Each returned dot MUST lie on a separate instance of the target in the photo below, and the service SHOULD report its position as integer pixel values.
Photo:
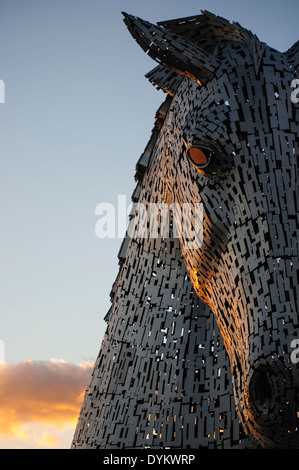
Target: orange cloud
(47, 395)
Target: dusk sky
(78, 113)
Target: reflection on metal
(197, 347)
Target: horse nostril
(261, 391)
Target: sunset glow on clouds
(40, 402)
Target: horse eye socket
(199, 156)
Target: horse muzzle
(272, 400)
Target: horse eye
(199, 156)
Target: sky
(78, 113)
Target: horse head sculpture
(196, 364)
(230, 142)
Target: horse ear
(293, 55)
(172, 51)
(226, 31)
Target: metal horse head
(230, 141)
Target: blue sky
(77, 116)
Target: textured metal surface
(197, 348)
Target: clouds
(41, 400)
